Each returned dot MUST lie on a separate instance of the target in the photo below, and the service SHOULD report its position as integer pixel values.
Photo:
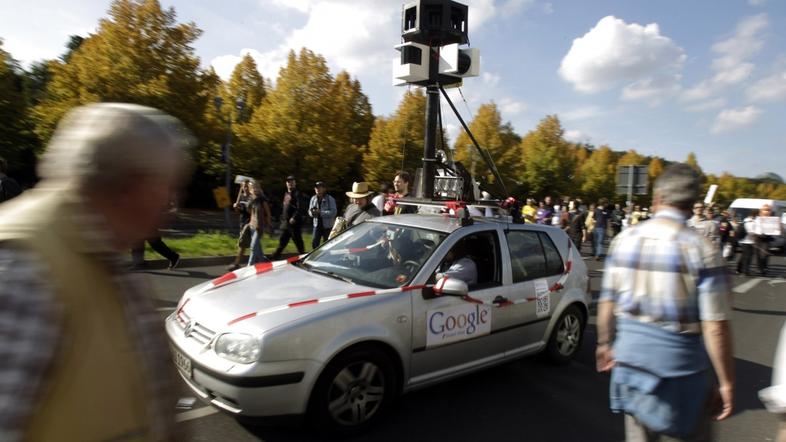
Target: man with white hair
(84, 353)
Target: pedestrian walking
(85, 356)
(259, 210)
(600, 218)
(160, 247)
(241, 205)
(746, 232)
(663, 321)
(291, 219)
(323, 210)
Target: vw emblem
(189, 328)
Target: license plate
(181, 362)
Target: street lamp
(226, 151)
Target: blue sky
(663, 77)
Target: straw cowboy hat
(359, 190)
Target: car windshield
(375, 254)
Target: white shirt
(464, 269)
(379, 201)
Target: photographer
(322, 208)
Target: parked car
(338, 334)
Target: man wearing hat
(361, 208)
(291, 219)
(323, 210)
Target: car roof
(437, 222)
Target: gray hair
(98, 146)
(678, 186)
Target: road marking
(745, 286)
(777, 281)
(195, 414)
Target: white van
(742, 207)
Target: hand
(604, 358)
(723, 402)
(292, 221)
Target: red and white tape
(438, 289)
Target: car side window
(483, 249)
(526, 255)
(554, 264)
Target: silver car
(378, 311)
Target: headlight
(238, 347)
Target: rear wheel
(565, 339)
(354, 391)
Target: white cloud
(268, 63)
(732, 119)
(581, 113)
(707, 105)
(510, 107)
(757, 2)
(732, 65)
(615, 53)
(577, 136)
(301, 5)
(772, 88)
(511, 7)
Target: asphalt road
(527, 399)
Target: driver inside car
(458, 264)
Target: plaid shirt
(664, 273)
(30, 332)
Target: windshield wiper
(332, 275)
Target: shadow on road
(182, 274)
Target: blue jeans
(319, 235)
(597, 240)
(256, 248)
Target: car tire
(353, 392)
(566, 337)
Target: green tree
(397, 142)
(549, 163)
(498, 139)
(301, 126)
(17, 142)
(245, 86)
(599, 174)
(631, 158)
(139, 55)
(353, 114)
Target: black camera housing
(435, 22)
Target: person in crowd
(244, 237)
(401, 184)
(662, 330)
(600, 217)
(762, 240)
(361, 207)
(458, 264)
(291, 219)
(577, 220)
(543, 214)
(385, 189)
(636, 215)
(725, 230)
(529, 211)
(747, 239)
(9, 188)
(260, 218)
(616, 219)
(89, 358)
(589, 226)
(157, 244)
(703, 225)
(774, 396)
(323, 210)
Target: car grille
(194, 330)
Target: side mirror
(451, 287)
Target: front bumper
(260, 389)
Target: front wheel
(565, 339)
(353, 392)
